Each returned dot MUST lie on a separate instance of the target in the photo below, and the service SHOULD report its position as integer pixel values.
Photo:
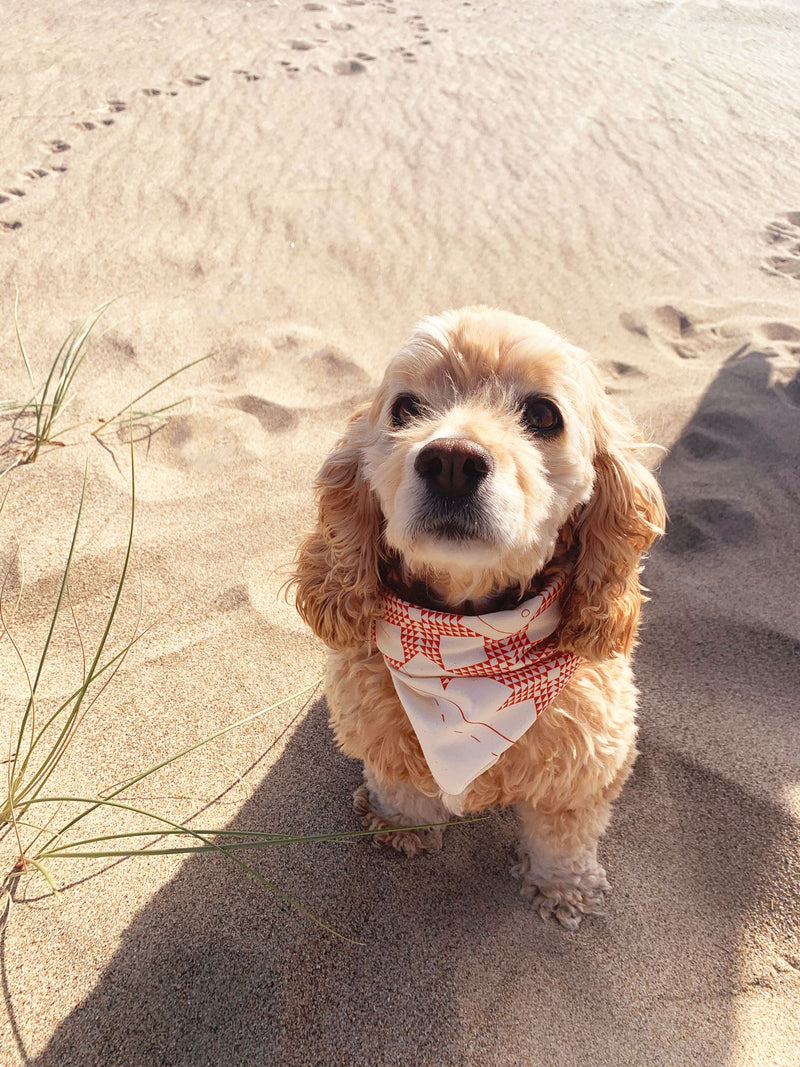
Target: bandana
(471, 685)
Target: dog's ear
(337, 576)
(606, 537)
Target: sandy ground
(288, 187)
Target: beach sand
(287, 187)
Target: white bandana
(471, 685)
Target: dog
(489, 473)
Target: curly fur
(582, 499)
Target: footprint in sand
(704, 332)
(619, 375)
(696, 331)
(698, 525)
(349, 66)
(718, 435)
(779, 342)
(780, 331)
(684, 334)
(232, 598)
(10, 225)
(783, 235)
(626, 370)
(405, 53)
(274, 418)
(286, 361)
(114, 346)
(328, 369)
(57, 145)
(87, 125)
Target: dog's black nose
(453, 467)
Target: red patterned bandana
(471, 685)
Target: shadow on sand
(453, 969)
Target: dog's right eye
(404, 409)
(541, 417)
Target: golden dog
(489, 460)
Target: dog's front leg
(392, 805)
(558, 863)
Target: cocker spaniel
(475, 570)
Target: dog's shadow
(453, 968)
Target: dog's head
(489, 454)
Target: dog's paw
(566, 903)
(409, 842)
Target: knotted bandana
(471, 685)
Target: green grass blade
(34, 401)
(141, 396)
(157, 411)
(282, 894)
(60, 376)
(46, 875)
(74, 355)
(116, 659)
(45, 423)
(190, 748)
(53, 757)
(46, 647)
(213, 737)
(251, 839)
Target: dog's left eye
(541, 417)
(404, 409)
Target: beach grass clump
(34, 420)
(32, 815)
(49, 401)
(29, 810)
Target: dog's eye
(404, 409)
(541, 417)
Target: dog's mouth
(461, 521)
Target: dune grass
(42, 740)
(48, 401)
(42, 835)
(34, 420)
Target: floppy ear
(337, 565)
(625, 514)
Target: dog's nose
(453, 467)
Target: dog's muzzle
(453, 472)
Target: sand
(287, 187)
